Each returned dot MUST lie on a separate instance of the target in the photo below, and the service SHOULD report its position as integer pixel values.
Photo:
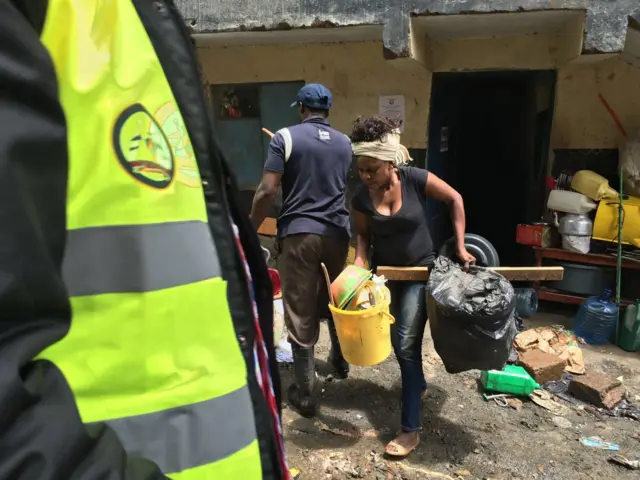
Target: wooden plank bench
(421, 274)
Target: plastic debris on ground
(626, 410)
(561, 422)
(283, 352)
(471, 316)
(500, 399)
(283, 347)
(294, 473)
(504, 400)
(559, 389)
(597, 442)
(555, 340)
(625, 462)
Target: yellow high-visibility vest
(152, 350)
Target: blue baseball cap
(315, 96)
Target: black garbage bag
(472, 316)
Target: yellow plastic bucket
(364, 335)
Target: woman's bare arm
(363, 238)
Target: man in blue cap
(311, 161)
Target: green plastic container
(629, 331)
(514, 380)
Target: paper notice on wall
(392, 106)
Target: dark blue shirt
(315, 160)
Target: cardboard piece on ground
(544, 399)
(556, 341)
(421, 274)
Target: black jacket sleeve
(41, 434)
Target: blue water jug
(596, 319)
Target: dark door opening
(489, 139)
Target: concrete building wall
(357, 74)
(580, 119)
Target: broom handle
(328, 280)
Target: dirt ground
(463, 435)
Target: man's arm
(41, 434)
(271, 176)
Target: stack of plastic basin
(345, 286)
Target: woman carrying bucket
(390, 216)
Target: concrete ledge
(362, 33)
(606, 23)
(544, 39)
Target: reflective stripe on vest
(152, 349)
(215, 433)
(122, 258)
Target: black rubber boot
(338, 364)
(302, 393)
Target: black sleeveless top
(401, 239)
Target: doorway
(489, 139)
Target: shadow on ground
(344, 403)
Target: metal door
(443, 128)
(237, 127)
(275, 107)
(240, 113)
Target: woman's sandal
(394, 449)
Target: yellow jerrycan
(592, 185)
(605, 225)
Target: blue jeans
(408, 306)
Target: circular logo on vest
(169, 118)
(142, 147)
